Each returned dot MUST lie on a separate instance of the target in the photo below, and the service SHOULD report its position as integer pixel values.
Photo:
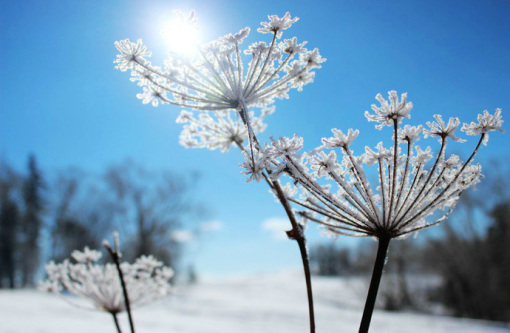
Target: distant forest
(45, 217)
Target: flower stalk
(397, 206)
(296, 233)
(215, 81)
(409, 197)
(116, 321)
(380, 260)
(115, 255)
(106, 286)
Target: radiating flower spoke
(408, 192)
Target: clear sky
(61, 98)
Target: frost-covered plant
(415, 190)
(218, 129)
(147, 280)
(218, 78)
(222, 78)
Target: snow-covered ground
(266, 303)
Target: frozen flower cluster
(146, 280)
(218, 77)
(416, 188)
(486, 123)
(388, 113)
(218, 129)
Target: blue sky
(61, 99)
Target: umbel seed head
(415, 188)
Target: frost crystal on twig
(411, 193)
(146, 279)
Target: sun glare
(181, 35)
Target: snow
(264, 303)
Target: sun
(181, 35)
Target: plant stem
(296, 233)
(115, 256)
(306, 267)
(114, 314)
(382, 249)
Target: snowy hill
(265, 303)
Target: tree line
(45, 217)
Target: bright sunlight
(181, 34)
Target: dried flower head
(146, 280)
(218, 129)
(217, 78)
(391, 111)
(254, 165)
(276, 24)
(486, 123)
(412, 193)
(441, 130)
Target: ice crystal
(323, 163)
(131, 55)
(147, 279)
(486, 123)
(276, 24)
(340, 139)
(286, 146)
(412, 193)
(390, 112)
(254, 165)
(442, 130)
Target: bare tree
(82, 214)
(331, 260)
(475, 251)
(150, 206)
(31, 223)
(9, 223)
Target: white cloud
(277, 227)
(182, 236)
(211, 226)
